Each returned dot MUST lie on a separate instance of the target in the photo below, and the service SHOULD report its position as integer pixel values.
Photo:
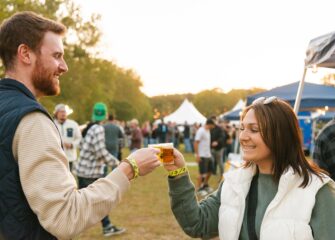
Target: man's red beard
(44, 80)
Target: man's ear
(24, 54)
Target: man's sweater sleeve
(49, 186)
(196, 219)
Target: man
(186, 135)
(94, 158)
(113, 136)
(136, 136)
(217, 144)
(324, 150)
(69, 131)
(227, 145)
(162, 132)
(202, 149)
(39, 198)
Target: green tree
(329, 80)
(89, 78)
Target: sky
(186, 46)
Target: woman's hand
(179, 161)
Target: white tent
(186, 113)
(239, 105)
(234, 113)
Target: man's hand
(147, 159)
(68, 145)
(179, 161)
(197, 158)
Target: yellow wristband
(132, 162)
(177, 172)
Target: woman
(278, 194)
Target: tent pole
(299, 93)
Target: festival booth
(325, 116)
(320, 53)
(185, 113)
(314, 96)
(234, 113)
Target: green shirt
(201, 219)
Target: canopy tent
(186, 113)
(324, 117)
(320, 53)
(239, 105)
(234, 114)
(314, 95)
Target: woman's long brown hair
(281, 133)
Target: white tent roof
(239, 105)
(186, 113)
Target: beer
(166, 152)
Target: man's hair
(111, 117)
(24, 28)
(210, 121)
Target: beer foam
(161, 145)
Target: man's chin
(52, 92)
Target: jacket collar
(241, 179)
(12, 83)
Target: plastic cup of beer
(166, 152)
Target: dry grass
(145, 210)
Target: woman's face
(253, 146)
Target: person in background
(170, 132)
(217, 143)
(113, 136)
(162, 132)
(39, 196)
(122, 142)
(202, 152)
(146, 133)
(186, 136)
(136, 136)
(176, 133)
(193, 130)
(324, 149)
(278, 194)
(94, 159)
(227, 142)
(154, 134)
(69, 131)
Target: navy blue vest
(17, 220)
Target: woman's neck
(265, 167)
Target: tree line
(91, 79)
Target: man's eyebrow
(58, 53)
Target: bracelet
(132, 162)
(177, 172)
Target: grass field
(145, 210)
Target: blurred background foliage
(91, 79)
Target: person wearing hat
(39, 197)
(94, 159)
(69, 131)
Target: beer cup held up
(166, 152)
